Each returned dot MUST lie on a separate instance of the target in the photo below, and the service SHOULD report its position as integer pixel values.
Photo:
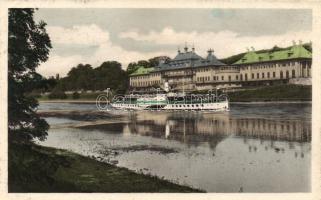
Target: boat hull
(215, 106)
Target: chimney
(185, 48)
(210, 51)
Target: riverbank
(277, 93)
(34, 168)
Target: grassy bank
(273, 93)
(34, 168)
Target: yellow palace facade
(189, 71)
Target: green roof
(294, 52)
(142, 70)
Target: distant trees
(153, 62)
(108, 75)
(84, 77)
(28, 46)
(57, 94)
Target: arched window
(245, 77)
(281, 75)
(293, 73)
(287, 74)
(268, 74)
(241, 77)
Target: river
(256, 147)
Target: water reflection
(195, 128)
(253, 148)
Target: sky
(92, 36)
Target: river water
(253, 148)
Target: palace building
(189, 71)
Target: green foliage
(75, 95)
(153, 62)
(83, 77)
(28, 46)
(49, 84)
(34, 168)
(232, 59)
(57, 94)
(308, 46)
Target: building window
(241, 77)
(229, 78)
(281, 75)
(287, 74)
(293, 73)
(222, 78)
(262, 75)
(252, 76)
(257, 75)
(268, 74)
(273, 74)
(245, 77)
(214, 78)
(237, 77)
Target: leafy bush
(75, 95)
(34, 94)
(57, 94)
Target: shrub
(57, 94)
(34, 94)
(75, 95)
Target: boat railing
(198, 98)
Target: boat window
(196, 105)
(192, 105)
(202, 105)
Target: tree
(28, 46)
(131, 67)
(153, 62)
(110, 75)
